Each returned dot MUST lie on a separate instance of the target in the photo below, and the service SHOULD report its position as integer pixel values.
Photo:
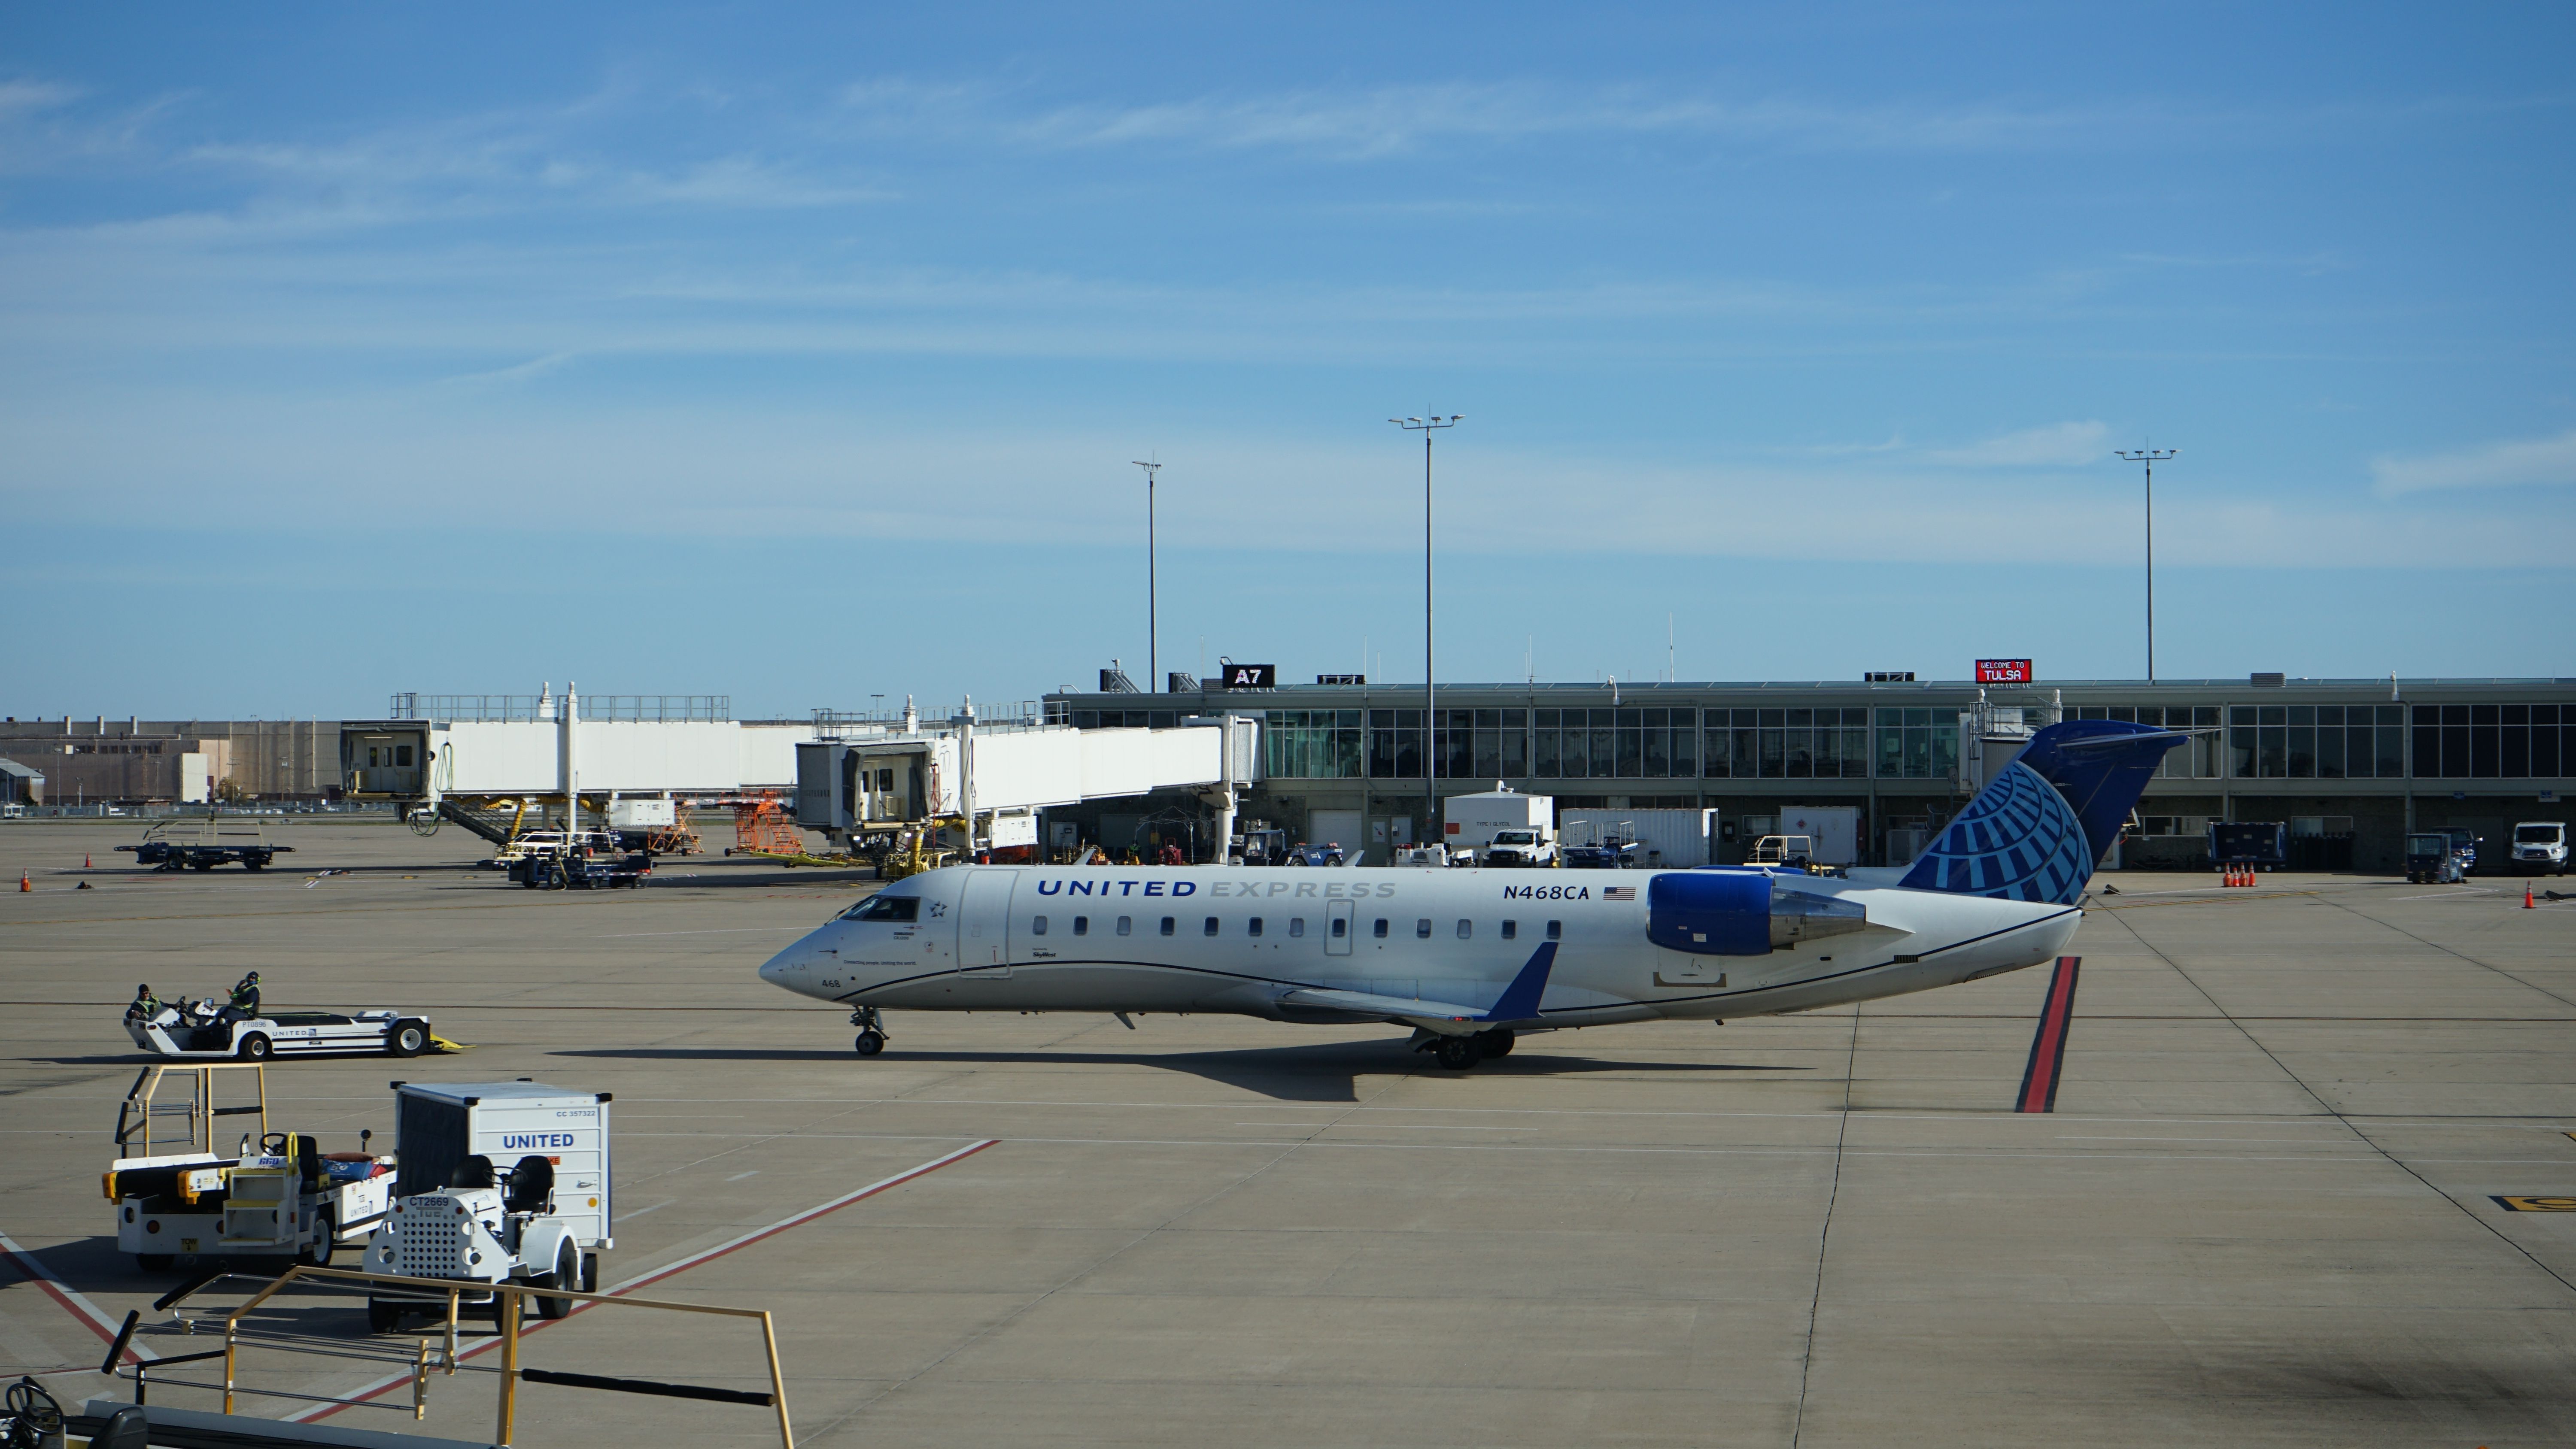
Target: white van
(2540, 847)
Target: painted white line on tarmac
(312, 1412)
(72, 1299)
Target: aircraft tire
(1458, 1053)
(870, 1043)
(1496, 1043)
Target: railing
(417, 1364)
(1020, 714)
(541, 708)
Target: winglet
(1519, 1001)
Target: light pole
(2150, 457)
(1430, 731)
(1153, 632)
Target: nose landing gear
(872, 1033)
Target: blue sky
(800, 354)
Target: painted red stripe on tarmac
(73, 1302)
(315, 1412)
(2048, 1046)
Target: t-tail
(2040, 826)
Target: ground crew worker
(145, 1005)
(245, 1002)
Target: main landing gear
(872, 1033)
(1458, 1053)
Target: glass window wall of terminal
(1312, 744)
(1918, 744)
(1628, 743)
(2198, 759)
(2316, 742)
(1790, 744)
(2493, 741)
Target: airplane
(1472, 959)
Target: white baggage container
(640, 814)
(1835, 829)
(1468, 822)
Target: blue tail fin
(2039, 827)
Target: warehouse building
(2349, 765)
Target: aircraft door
(1338, 927)
(984, 923)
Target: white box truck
(1470, 823)
(497, 1182)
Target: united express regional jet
(1471, 958)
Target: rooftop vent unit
(2270, 681)
(1888, 676)
(1114, 680)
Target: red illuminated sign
(2003, 671)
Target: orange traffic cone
(2526, 897)
(84, 860)
(25, 884)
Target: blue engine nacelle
(1740, 913)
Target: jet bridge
(868, 776)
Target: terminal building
(2349, 765)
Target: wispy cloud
(2059, 445)
(23, 97)
(1390, 120)
(2495, 465)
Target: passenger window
(1037, 927)
(1466, 929)
(1422, 929)
(1296, 925)
(1211, 925)
(1082, 925)
(1511, 930)
(1341, 928)
(1256, 925)
(1380, 932)
(1123, 925)
(1167, 925)
(402, 754)
(1556, 930)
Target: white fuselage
(1219, 939)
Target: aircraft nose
(779, 969)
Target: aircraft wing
(1403, 1008)
(1519, 1001)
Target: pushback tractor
(500, 1182)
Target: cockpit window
(905, 909)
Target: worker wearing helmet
(145, 1005)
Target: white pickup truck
(1521, 848)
